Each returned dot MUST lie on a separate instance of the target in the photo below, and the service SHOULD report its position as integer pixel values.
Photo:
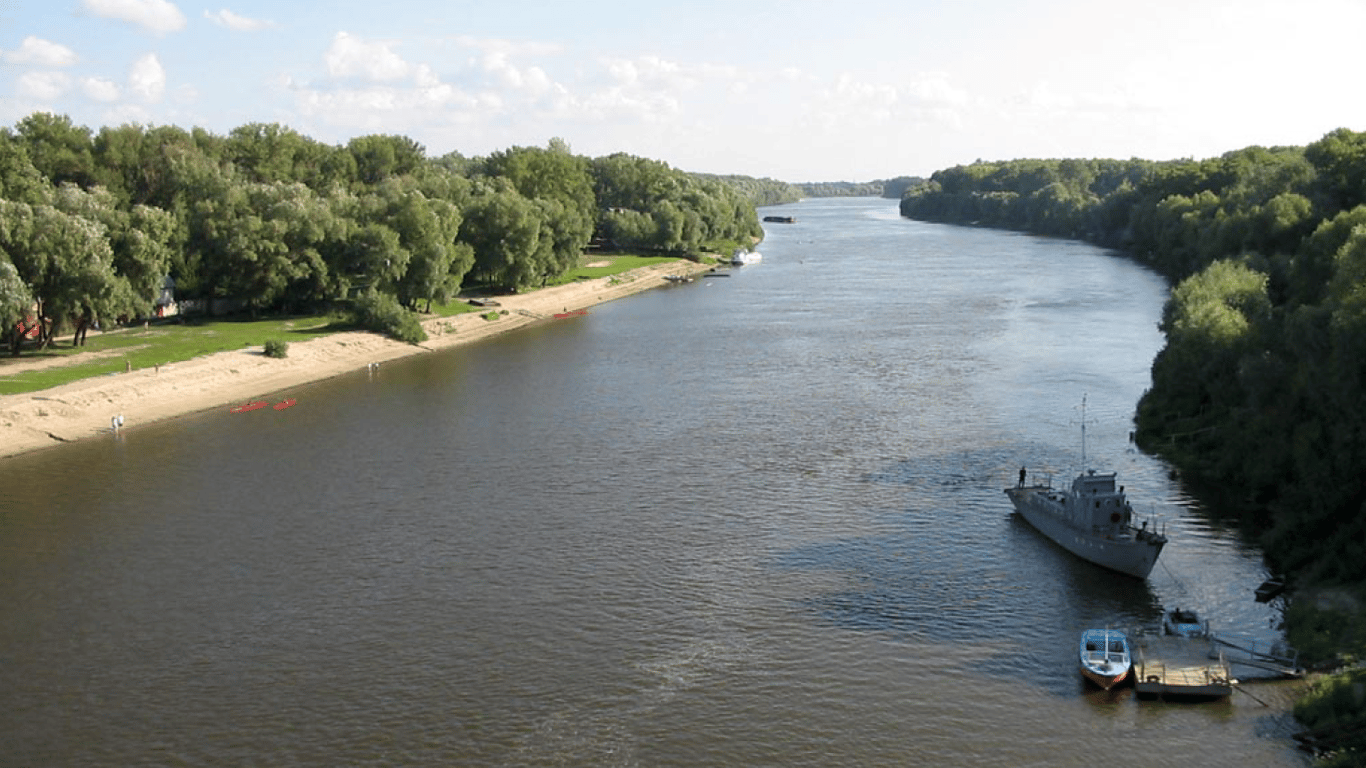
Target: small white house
(166, 304)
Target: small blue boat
(1185, 623)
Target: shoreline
(81, 410)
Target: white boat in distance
(1105, 658)
(741, 257)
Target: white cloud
(43, 53)
(44, 86)
(370, 86)
(350, 56)
(185, 94)
(425, 77)
(125, 113)
(870, 95)
(147, 78)
(1043, 95)
(652, 89)
(100, 89)
(532, 80)
(384, 107)
(935, 89)
(156, 15)
(230, 20)
(619, 103)
(509, 47)
(654, 73)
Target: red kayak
(250, 406)
(283, 404)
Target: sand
(84, 409)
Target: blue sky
(799, 90)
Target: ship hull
(1130, 555)
(1104, 680)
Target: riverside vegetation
(1259, 396)
(91, 223)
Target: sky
(795, 90)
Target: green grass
(451, 308)
(138, 348)
(619, 263)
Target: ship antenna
(1083, 433)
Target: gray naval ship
(1092, 520)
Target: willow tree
(15, 304)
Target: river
(752, 520)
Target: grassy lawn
(113, 352)
(617, 263)
(450, 309)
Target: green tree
(439, 263)
(1313, 267)
(16, 301)
(1211, 323)
(19, 180)
(139, 239)
(504, 230)
(66, 262)
(262, 243)
(372, 258)
(684, 212)
(268, 153)
(561, 180)
(1340, 160)
(59, 149)
(379, 157)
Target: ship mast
(1083, 433)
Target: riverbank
(84, 409)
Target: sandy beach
(84, 409)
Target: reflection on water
(751, 520)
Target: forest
(93, 222)
(774, 192)
(1259, 395)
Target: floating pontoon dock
(1180, 667)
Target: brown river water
(755, 520)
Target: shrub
(277, 348)
(379, 312)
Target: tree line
(1260, 390)
(92, 222)
(773, 192)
